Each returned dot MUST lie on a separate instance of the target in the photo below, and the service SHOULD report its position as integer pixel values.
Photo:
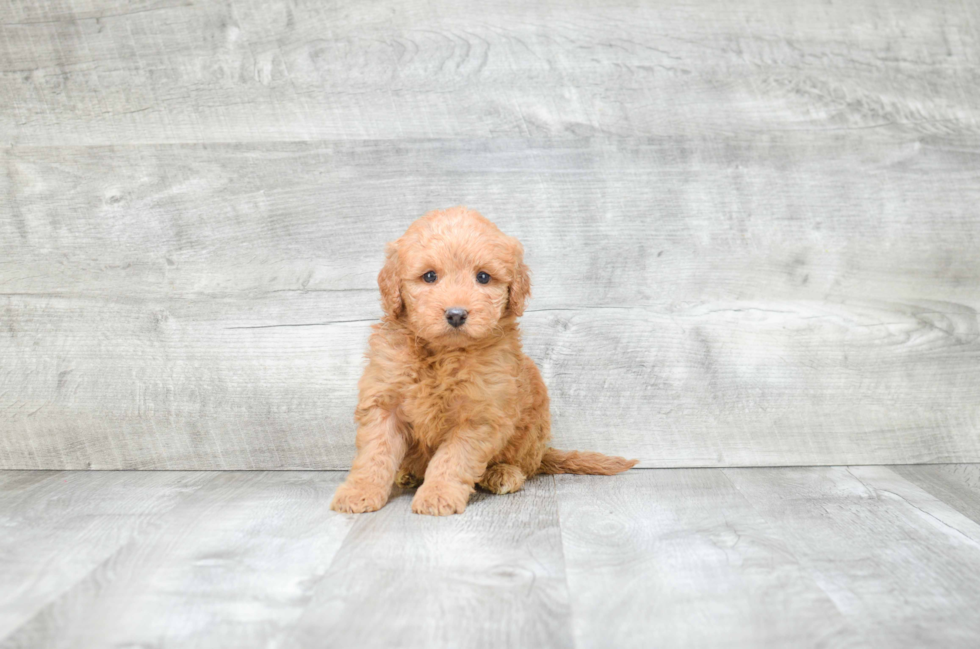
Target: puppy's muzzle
(456, 316)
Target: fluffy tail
(583, 462)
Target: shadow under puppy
(448, 399)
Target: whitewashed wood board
(231, 565)
(760, 557)
(680, 558)
(58, 527)
(113, 72)
(605, 222)
(492, 577)
(956, 484)
(862, 533)
(795, 299)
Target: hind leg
(502, 479)
(412, 470)
(407, 479)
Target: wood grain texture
(492, 577)
(799, 298)
(957, 485)
(605, 222)
(898, 563)
(679, 558)
(59, 527)
(765, 557)
(113, 72)
(232, 565)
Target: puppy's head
(453, 276)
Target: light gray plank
(492, 577)
(732, 302)
(175, 385)
(57, 528)
(678, 558)
(171, 71)
(957, 485)
(171, 385)
(230, 566)
(672, 221)
(762, 557)
(15, 485)
(897, 562)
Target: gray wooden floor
(782, 557)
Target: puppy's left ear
(520, 286)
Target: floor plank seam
(811, 572)
(573, 616)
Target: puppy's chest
(440, 396)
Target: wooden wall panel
(798, 298)
(113, 72)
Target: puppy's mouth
(461, 331)
(464, 334)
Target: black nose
(456, 316)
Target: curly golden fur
(449, 407)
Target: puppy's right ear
(389, 282)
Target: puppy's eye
(429, 277)
(483, 278)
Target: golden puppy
(448, 399)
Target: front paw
(358, 498)
(440, 499)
